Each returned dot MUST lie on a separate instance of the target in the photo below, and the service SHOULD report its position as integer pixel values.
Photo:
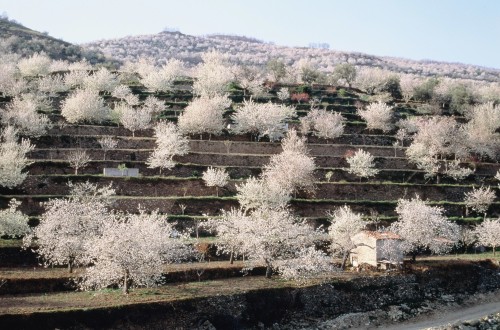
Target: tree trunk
(494, 250)
(217, 190)
(344, 260)
(231, 257)
(414, 256)
(269, 271)
(76, 170)
(125, 283)
(70, 267)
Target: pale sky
(466, 31)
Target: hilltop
(249, 51)
(18, 39)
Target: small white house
(111, 171)
(378, 249)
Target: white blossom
(227, 229)
(479, 199)
(124, 93)
(58, 66)
(276, 239)
(258, 193)
(101, 80)
(481, 130)
(134, 119)
(283, 94)
(154, 104)
(488, 233)
(213, 75)
(262, 119)
(22, 113)
(344, 225)
(456, 172)
(362, 164)
(52, 85)
(82, 65)
(293, 169)
(424, 227)
(107, 143)
(131, 250)
(323, 124)
(36, 65)
(68, 225)
(377, 116)
(13, 223)
(75, 78)
(162, 80)
(84, 105)
(13, 157)
(216, 177)
(204, 115)
(169, 143)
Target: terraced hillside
(182, 194)
(50, 171)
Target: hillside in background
(165, 45)
(23, 41)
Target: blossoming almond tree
(362, 164)
(13, 223)
(292, 169)
(134, 119)
(261, 119)
(377, 116)
(124, 93)
(101, 80)
(273, 238)
(11, 81)
(22, 113)
(107, 143)
(162, 79)
(481, 130)
(78, 159)
(84, 105)
(68, 225)
(256, 193)
(204, 115)
(480, 199)
(227, 228)
(323, 124)
(488, 233)
(437, 137)
(276, 239)
(37, 64)
(424, 227)
(13, 157)
(52, 85)
(169, 143)
(216, 177)
(213, 75)
(344, 225)
(131, 250)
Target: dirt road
(443, 318)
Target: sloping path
(443, 318)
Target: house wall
(365, 251)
